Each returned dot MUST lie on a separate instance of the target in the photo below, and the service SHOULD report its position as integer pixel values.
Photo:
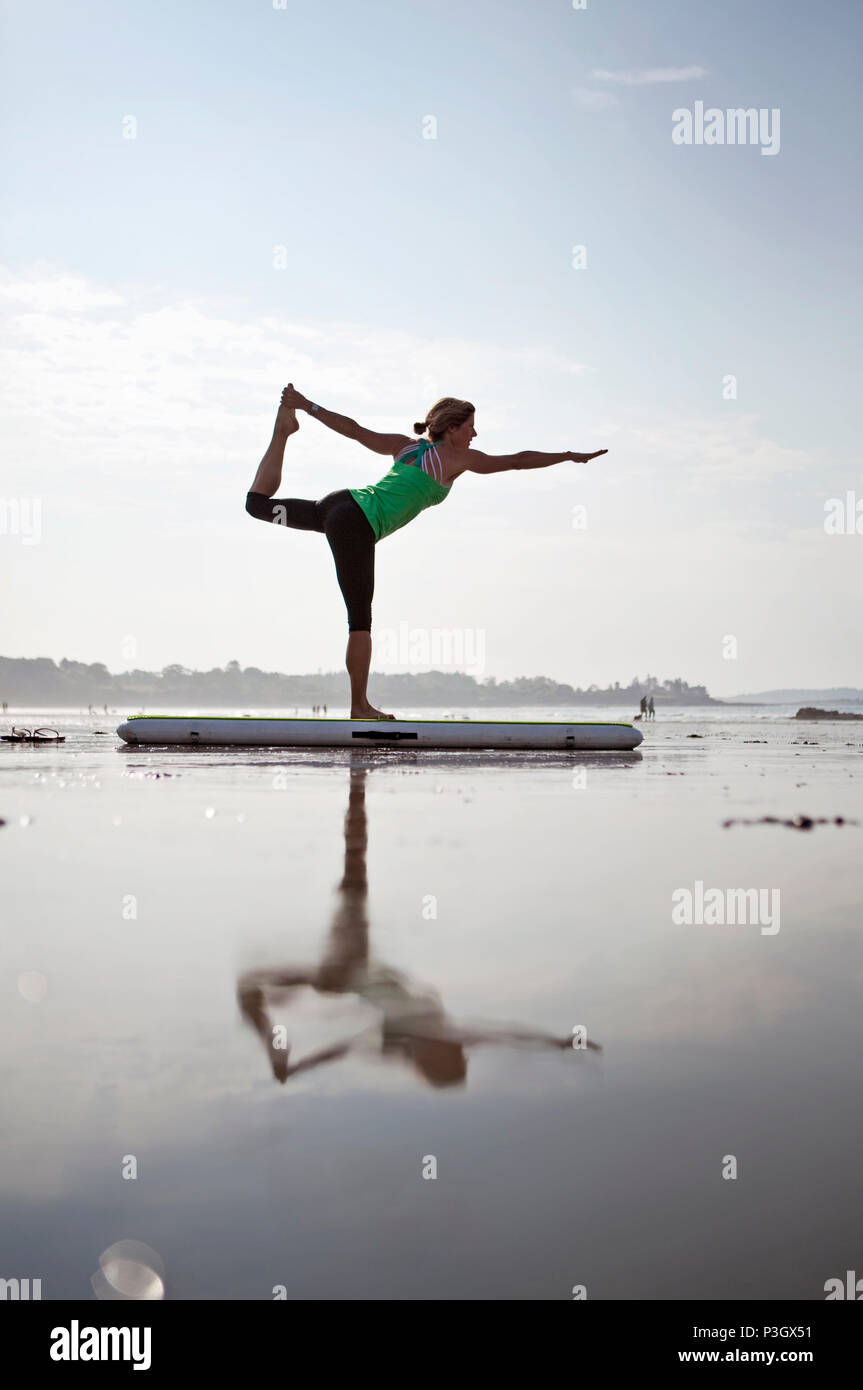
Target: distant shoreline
(846, 695)
(74, 684)
(42, 682)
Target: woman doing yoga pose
(355, 519)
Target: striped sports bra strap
(415, 455)
(416, 451)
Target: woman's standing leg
(358, 659)
(352, 541)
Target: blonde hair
(446, 414)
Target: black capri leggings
(349, 534)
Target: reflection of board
(376, 733)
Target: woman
(355, 519)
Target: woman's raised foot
(286, 420)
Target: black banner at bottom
(63, 1338)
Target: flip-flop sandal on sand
(37, 736)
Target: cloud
(640, 77)
(138, 379)
(140, 382)
(44, 290)
(710, 453)
(594, 100)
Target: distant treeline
(74, 684)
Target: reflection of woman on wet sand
(413, 1024)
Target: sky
(390, 202)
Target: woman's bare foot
(368, 711)
(286, 420)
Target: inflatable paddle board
(375, 733)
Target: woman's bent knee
(260, 506)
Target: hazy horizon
(788, 694)
(837, 689)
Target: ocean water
(303, 1020)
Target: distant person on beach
(643, 706)
(355, 519)
(651, 709)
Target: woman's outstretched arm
(343, 424)
(477, 462)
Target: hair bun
(420, 427)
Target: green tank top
(402, 493)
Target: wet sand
(427, 930)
